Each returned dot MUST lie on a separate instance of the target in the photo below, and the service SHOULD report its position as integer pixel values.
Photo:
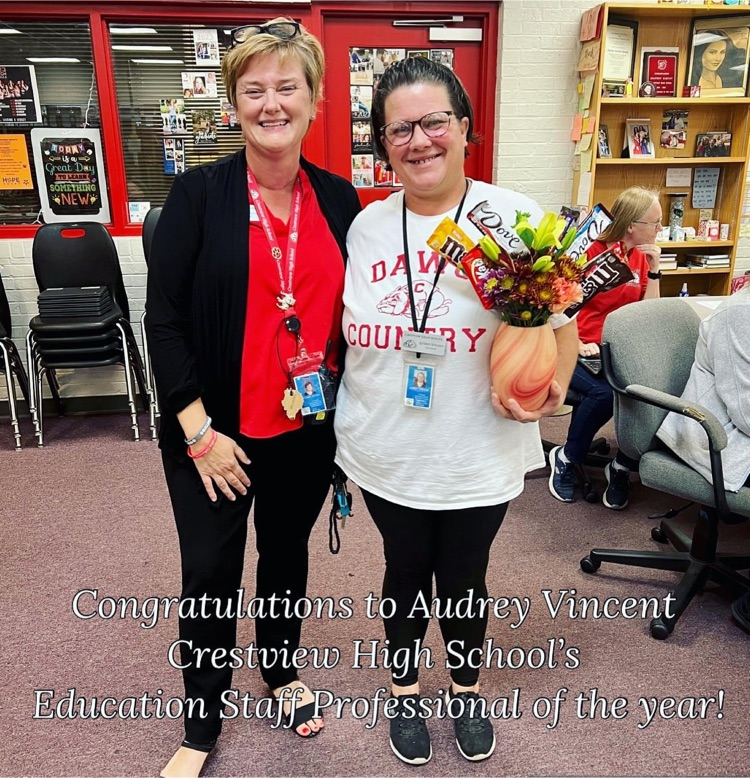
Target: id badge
(419, 385)
(313, 399)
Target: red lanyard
(285, 300)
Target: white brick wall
(536, 98)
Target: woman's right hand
(588, 349)
(221, 467)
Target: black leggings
(212, 548)
(452, 545)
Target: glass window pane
(174, 113)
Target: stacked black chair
(11, 365)
(72, 257)
(149, 225)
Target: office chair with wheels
(75, 257)
(647, 355)
(11, 365)
(149, 225)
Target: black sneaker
(410, 740)
(563, 478)
(741, 611)
(475, 736)
(618, 487)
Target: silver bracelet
(201, 432)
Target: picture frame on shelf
(719, 54)
(713, 144)
(673, 139)
(640, 143)
(674, 126)
(613, 88)
(659, 68)
(603, 149)
(675, 119)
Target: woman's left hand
(517, 413)
(653, 255)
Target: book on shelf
(668, 262)
(708, 260)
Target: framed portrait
(640, 143)
(713, 144)
(719, 54)
(603, 149)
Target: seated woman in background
(720, 381)
(636, 220)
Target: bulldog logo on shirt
(397, 302)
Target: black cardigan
(196, 300)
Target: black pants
(452, 545)
(212, 549)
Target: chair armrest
(717, 436)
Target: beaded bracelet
(201, 432)
(211, 443)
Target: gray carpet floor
(90, 512)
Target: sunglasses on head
(283, 30)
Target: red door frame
(101, 14)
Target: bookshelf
(668, 25)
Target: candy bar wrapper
(571, 214)
(591, 228)
(450, 241)
(604, 272)
(489, 223)
(475, 266)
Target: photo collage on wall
(186, 129)
(366, 66)
(174, 156)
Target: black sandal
(205, 748)
(302, 714)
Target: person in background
(228, 305)
(437, 510)
(636, 221)
(720, 381)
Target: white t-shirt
(459, 453)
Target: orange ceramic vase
(523, 364)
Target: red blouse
(318, 286)
(591, 317)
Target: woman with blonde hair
(636, 221)
(229, 298)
